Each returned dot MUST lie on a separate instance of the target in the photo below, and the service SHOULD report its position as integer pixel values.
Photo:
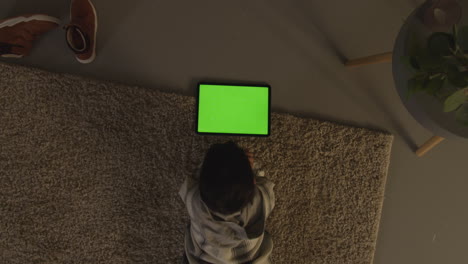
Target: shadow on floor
(297, 16)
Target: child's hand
(250, 156)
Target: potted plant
(439, 63)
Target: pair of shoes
(17, 34)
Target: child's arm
(190, 181)
(266, 187)
(263, 183)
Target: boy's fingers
(250, 156)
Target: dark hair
(226, 179)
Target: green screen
(233, 109)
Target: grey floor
(296, 46)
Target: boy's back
(228, 237)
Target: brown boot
(17, 34)
(81, 32)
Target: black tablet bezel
(232, 84)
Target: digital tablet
(231, 109)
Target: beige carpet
(89, 173)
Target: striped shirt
(228, 239)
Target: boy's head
(227, 179)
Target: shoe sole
(16, 20)
(12, 56)
(93, 56)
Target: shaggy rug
(90, 170)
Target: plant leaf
(410, 62)
(456, 77)
(455, 100)
(429, 62)
(433, 86)
(462, 38)
(440, 43)
(455, 33)
(462, 114)
(421, 58)
(416, 84)
(415, 64)
(405, 60)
